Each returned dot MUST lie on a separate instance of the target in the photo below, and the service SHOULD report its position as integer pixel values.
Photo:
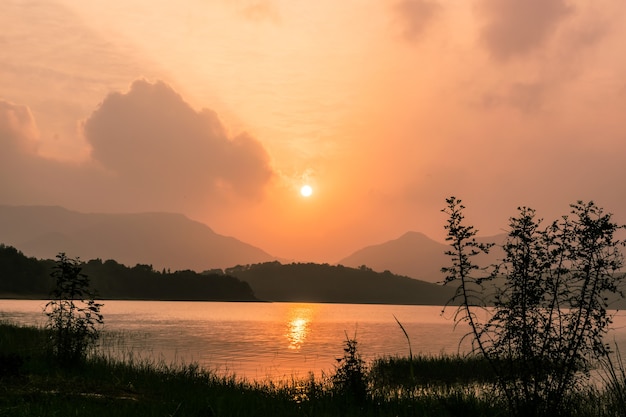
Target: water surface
(270, 340)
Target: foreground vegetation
(545, 331)
(33, 384)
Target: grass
(31, 384)
(439, 371)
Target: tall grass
(613, 376)
(427, 371)
(105, 385)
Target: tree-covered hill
(24, 277)
(310, 282)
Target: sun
(306, 191)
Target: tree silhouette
(73, 315)
(552, 291)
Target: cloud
(553, 59)
(150, 151)
(415, 15)
(18, 130)
(153, 141)
(25, 176)
(515, 27)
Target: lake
(269, 340)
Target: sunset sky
(223, 109)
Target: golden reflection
(299, 317)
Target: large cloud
(155, 142)
(150, 151)
(515, 27)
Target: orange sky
(222, 109)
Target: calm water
(276, 340)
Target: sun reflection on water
(298, 326)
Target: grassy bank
(31, 384)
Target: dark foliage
(73, 314)
(550, 314)
(428, 371)
(311, 282)
(351, 375)
(143, 282)
(23, 277)
(10, 364)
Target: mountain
(309, 282)
(414, 255)
(163, 240)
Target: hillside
(414, 255)
(163, 240)
(308, 282)
(27, 277)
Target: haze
(222, 110)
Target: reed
(427, 370)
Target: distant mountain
(414, 255)
(163, 240)
(309, 282)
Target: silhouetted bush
(351, 376)
(552, 288)
(73, 315)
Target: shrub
(73, 315)
(552, 287)
(350, 377)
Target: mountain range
(162, 240)
(400, 271)
(173, 241)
